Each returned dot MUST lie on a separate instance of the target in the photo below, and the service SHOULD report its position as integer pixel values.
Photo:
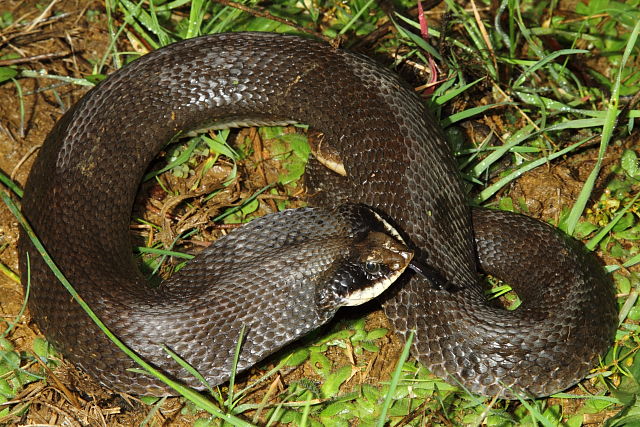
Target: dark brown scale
(81, 189)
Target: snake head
(375, 258)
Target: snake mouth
(372, 255)
(376, 287)
(435, 277)
(383, 257)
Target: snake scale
(82, 186)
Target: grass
(542, 109)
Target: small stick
(34, 58)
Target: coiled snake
(81, 190)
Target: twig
(34, 58)
(44, 15)
(23, 159)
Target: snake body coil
(81, 190)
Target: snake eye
(372, 267)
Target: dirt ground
(68, 39)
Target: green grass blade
(515, 139)
(186, 366)
(4, 179)
(395, 379)
(593, 242)
(196, 13)
(607, 132)
(164, 252)
(449, 95)
(533, 410)
(243, 204)
(494, 188)
(181, 159)
(356, 17)
(544, 61)
(468, 113)
(153, 411)
(234, 365)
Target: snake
(396, 168)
